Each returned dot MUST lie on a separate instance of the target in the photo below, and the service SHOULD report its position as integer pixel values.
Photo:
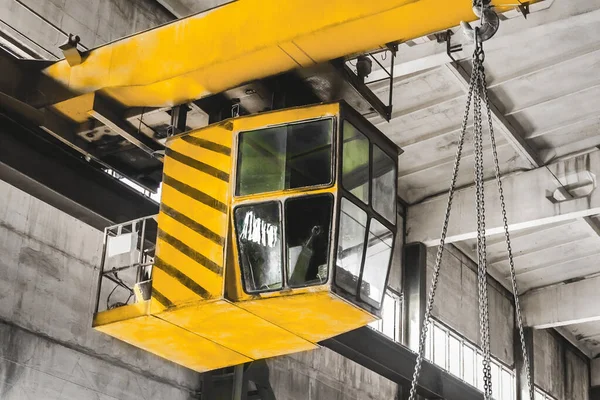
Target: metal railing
(126, 265)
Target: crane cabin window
(384, 185)
(258, 228)
(308, 227)
(351, 244)
(377, 260)
(305, 229)
(355, 162)
(285, 157)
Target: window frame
(477, 354)
(239, 253)
(368, 202)
(330, 233)
(364, 260)
(371, 160)
(378, 325)
(333, 153)
(281, 202)
(376, 137)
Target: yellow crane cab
(275, 231)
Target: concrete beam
(60, 178)
(184, 8)
(560, 305)
(175, 7)
(514, 137)
(533, 198)
(547, 16)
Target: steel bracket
(446, 37)
(524, 9)
(384, 110)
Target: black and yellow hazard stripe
(193, 218)
(207, 144)
(161, 298)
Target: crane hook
(490, 22)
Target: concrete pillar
(595, 379)
(522, 387)
(415, 293)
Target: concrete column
(415, 293)
(595, 379)
(522, 387)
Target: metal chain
(513, 278)
(477, 93)
(440, 250)
(481, 241)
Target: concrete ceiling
(544, 78)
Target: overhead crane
(276, 230)
(261, 251)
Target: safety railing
(125, 275)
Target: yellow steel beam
(246, 40)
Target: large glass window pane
(539, 395)
(258, 228)
(384, 185)
(388, 316)
(307, 224)
(355, 162)
(496, 379)
(508, 385)
(377, 325)
(480, 381)
(454, 355)
(285, 157)
(377, 261)
(469, 365)
(429, 342)
(439, 347)
(309, 154)
(351, 238)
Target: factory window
(391, 317)
(384, 184)
(307, 226)
(285, 157)
(541, 395)
(355, 164)
(464, 360)
(258, 228)
(353, 225)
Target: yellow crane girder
(246, 40)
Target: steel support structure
(415, 293)
(44, 168)
(395, 362)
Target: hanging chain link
(513, 275)
(477, 93)
(484, 327)
(440, 250)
